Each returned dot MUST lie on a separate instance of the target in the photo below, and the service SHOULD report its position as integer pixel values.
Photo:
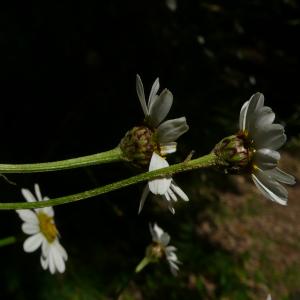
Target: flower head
(39, 224)
(165, 187)
(263, 139)
(254, 149)
(155, 135)
(160, 249)
(161, 246)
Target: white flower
(165, 187)
(39, 224)
(155, 111)
(263, 138)
(161, 241)
(167, 133)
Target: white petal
(172, 194)
(143, 198)
(28, 195)
(270, 136)
(270, 188)
(141, 94)
(171, 130)
(49, 211)
(33, 242)
(265, 117)
(38, 192)
(30, 228)
(167, 195)
(28, 216)
(153, 92)
(174, 268)
(243, 115)
(160, 107)
(179, 191)
(167, 148)
(281, 176)
(62, 250)
(161, 185)
(165, 239)
(51, 261)
(171, 209)
(170, 249)
(44, 262)
(58, 259)
(266, 158)
(158, 232)
(256, 102)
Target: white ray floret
(165, 187)
(39, 224)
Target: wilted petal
(270, 188)
(171, 130)
(141, 94)
(160, 107)
(266, 158)
(281, 176)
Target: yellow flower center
(47, 227)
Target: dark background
(67, 75)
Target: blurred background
(68, 89)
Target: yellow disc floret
(47, 226)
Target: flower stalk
(7, 241)
(110, 156)
(201, 162)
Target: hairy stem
(84, 161)
(201, 162)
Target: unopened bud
(233, 153)
(138, 146)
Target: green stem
(84, 161)
(143, 263)
(201, 162)
(7, 241)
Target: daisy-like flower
(160, 249)
(165, 134)
(262, 139)
(165, 187)
(161, 246)
(39, 224)
(254, 149)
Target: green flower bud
(138, 145)
(234, 153)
